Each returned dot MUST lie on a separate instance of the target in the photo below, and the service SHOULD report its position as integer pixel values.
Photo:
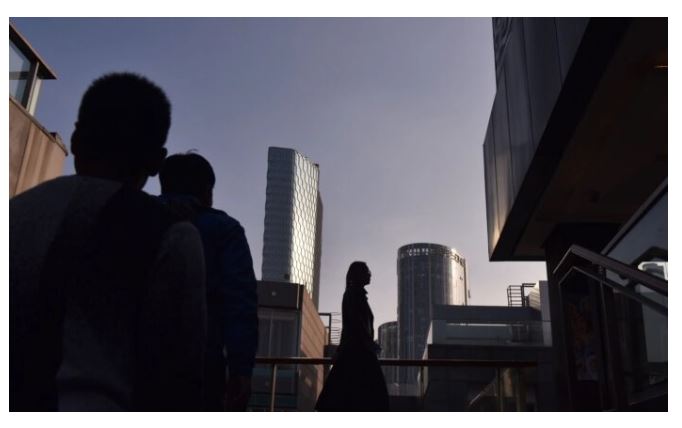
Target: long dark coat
(355, 382)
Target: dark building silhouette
(576, 153)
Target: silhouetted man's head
(358, 275)
(188, 174)
(123, 122)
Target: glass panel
(569, 33)
(643, 331)
(515, 390)
(277, 333)
(544, 72)
(500, 333)
(502, 153)
(19, 73)
(520, 127)
(643, 334)
(647, 240)
(278, 337)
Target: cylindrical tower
(428, 274)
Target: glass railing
(281, 384)
(617, 322)
(509, 390)
(643, 342)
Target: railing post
(616, 382)
(273, 383)
(520, 389)
(422, 385)
(500, 393)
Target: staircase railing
(606, 272)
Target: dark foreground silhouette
(355, 382)
(107, 297)
(187, 182)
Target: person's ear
(154, 162)
(75, 140)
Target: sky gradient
(393, 110)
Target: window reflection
(19, 73)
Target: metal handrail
(403, 362)
(663, 310)
(568, 265)
(649, 281)
(497, 364)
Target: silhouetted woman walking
(355, 382)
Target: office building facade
(292, 239)
(428, 275)
(576, 155)
(288, 326)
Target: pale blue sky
(393, 110)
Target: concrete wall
(35, 155)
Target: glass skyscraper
(292, 239)
(428, 275)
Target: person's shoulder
(54, 197)
(219, 215)
(60, 185)
(218, 219)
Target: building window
(26, 72)
(19, 74)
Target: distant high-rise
(428, 275)
(292, 239)
(388, 341)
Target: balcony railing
(498, 391)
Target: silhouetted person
(107, 298)
(355, 382)
(187, 182)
